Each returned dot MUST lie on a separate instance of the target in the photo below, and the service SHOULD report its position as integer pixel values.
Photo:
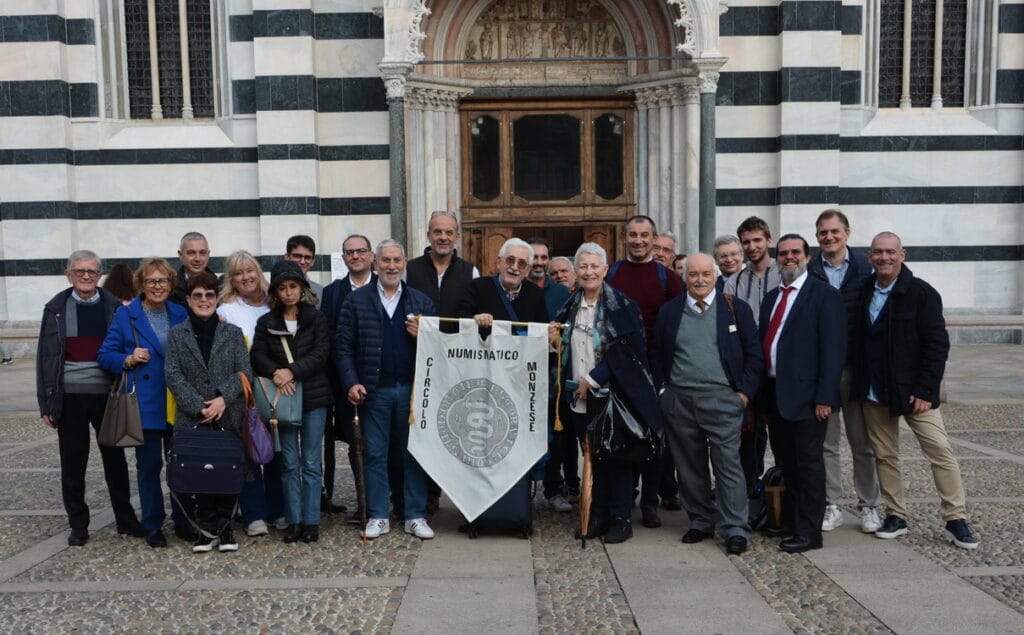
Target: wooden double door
(562, 170)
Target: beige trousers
(884, 433)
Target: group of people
(795, 341)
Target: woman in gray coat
(204, 357)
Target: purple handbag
(259, 447)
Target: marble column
(394, 83)
(654, 209)
(691, 169)
(677, 220)
(664, 97)
(708, 189)
(641, 152)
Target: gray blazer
(192, 382)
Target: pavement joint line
(1006, 456)
(46, 549)
(29, 470)
(15, 513)
(253, 584)
(29, 445)
(994, 571)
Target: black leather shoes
(619, 530)
(800, 544)
(156, 539)
(134, 530)
(671, 503)
(78, 537)
(292, 534)
(735, 545)
(186, 533)
(595, 529)
(693, 536)
(649, 517)
(310, 533)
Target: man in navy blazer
(357, 252)
(707, 362)
(803, 337)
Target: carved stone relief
(542, 30)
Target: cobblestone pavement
(116, 584)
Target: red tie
(773, 327)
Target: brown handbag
(122, 423)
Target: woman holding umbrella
(595, 317)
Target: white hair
(594, 250)
(516, 242)
(84, 254)
(390, 242)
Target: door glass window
(546, 157)
(486, 157)
(608, 157)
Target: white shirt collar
(692, 302)
(93, 300)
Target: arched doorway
(535, 70)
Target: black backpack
(766, 502)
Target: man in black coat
(194, 254)
(508, 295)
(357, 252)
(846, 270)
(901, 351)
(440, 273)
(803, 339)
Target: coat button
(145, 377)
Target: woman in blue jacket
(604, 341)
(137, 341)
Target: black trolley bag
(513, 512)
(206, 460)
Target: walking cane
(357, 443)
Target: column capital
(395, 75)
(708, 69)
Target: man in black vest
(439, 272)
(443, 277)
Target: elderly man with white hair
(507, 295)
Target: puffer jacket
(51, 351)
(360, 336)
(310, 350)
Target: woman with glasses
(603, 341)
(243, 301)
(137, 342)
(204, 357)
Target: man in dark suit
(803, 339)
(508, 295)
(707, 363)
(358, 255)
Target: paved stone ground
(857, 584)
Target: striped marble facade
(301, 144)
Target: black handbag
(206, 460)
(617, 431)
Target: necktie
(773, 328)
(702, 305)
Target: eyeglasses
(302, 257)
(512, 261)
(153, 283)
(82, 273)
(362, 251)
(198, 296)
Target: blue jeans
(302, 469)
(386, 423)
(149, 460)
(262, 495)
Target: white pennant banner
(479, 409)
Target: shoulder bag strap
(287, 350)
(250, 399)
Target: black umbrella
(357, 445)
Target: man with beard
(440, 273)
(358, 255)
(562, 453)
(803, 338)
(761, 273)
(376, 357)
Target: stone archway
(675, 107)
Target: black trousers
(798, 447)
(74, 440)
(753, 443)
(213, 512)
(561, 473)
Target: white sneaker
(869, 520)
(833, 518)
(256, 528)
(205, 545)
(376, 527)
(418, 527)
(559, 503)
(281, 524)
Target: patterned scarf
(604, 330)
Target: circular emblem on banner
(477, 422)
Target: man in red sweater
(649, 284)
